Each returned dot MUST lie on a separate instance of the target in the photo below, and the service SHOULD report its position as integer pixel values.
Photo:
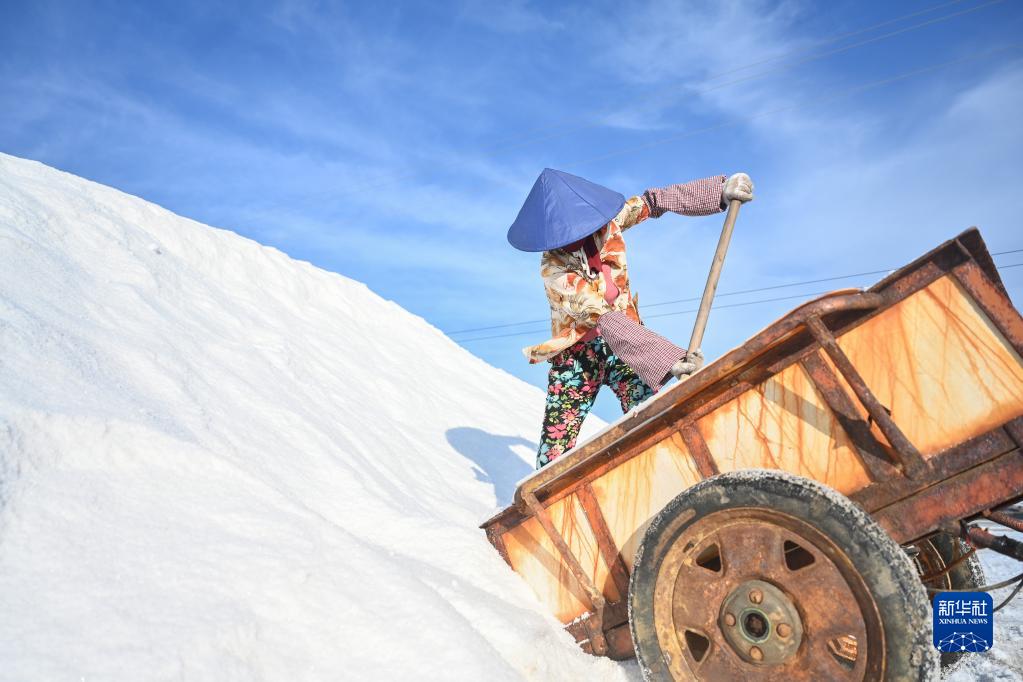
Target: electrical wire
(680, 312)
(730, 293)
(846, 48)
(1011, 596)
(689, 300)
(985, 588)
(684, 312)
(834, 39)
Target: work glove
(740, 187)
(688, 365)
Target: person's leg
(572, 385)
(623, 380)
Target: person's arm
(699, 197)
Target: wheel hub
(743, 590)
(760, 623)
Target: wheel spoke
(829, 606)
(750, 550)
(827, 659)
(931, 562)
(719, 664)
(697, 598)
(832, 619)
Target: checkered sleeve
(699, 197)
(649, 354)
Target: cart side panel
(784, 423)
(940, 365)
(632, 493)
(533, 556)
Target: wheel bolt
(784, 629)
(756, 654)
(756, 596)
(729, 620)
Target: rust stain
(618, 575)
(784, 423)
(635, 491)
(941, 367)
(533, 556)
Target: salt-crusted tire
(762, 575)
(933, 556)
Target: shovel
(712, 278)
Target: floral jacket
(577, 296)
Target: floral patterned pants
(575, 377)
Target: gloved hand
(739, 186)
(688, 365)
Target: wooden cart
(770, 517)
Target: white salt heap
(220, 463)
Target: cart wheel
(764, 575)
(934, 555)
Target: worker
(597, 336)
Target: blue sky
(394, 142)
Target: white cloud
(697, 40)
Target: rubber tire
(888, 573)
(968, 575)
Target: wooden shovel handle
(715, 274)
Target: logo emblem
(963, 621)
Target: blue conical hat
(561, 209)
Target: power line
(846, 48)
(721, 295)
(834, 39)
(681, 312)
(810, 281)
(687, 300)
(776, 286)
(717, 307)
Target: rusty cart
(780, 514)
